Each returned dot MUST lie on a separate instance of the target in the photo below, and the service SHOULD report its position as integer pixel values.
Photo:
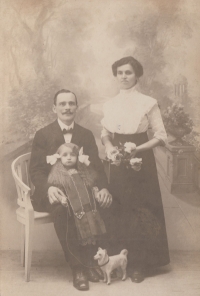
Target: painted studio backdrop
(49, 45)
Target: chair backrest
(20, 172)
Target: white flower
(111, 151)
(129, 147)
(52, 158)
(83, 158)
(136, 163)
(115, 155)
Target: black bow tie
(69, 131)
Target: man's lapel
(76, 136)
(57, 137)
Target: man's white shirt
(68, 136)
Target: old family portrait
(100, 147)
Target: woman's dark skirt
(136, 218)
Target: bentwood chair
(25, 213)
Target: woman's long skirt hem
(136, 218)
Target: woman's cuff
(163, 142)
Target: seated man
(47, 198)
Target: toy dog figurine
(108, 264)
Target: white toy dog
(108, 264)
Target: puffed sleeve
(156, 124)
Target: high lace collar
(128, 91)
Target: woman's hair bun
(137, 67)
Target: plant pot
(178, 133)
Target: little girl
(73, 174)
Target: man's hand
(55, 195)
(104, 198)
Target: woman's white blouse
(131, 112)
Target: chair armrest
(28, 203)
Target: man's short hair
(62, 91)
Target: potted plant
(177, 123)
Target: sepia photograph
(100, 147)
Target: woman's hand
(130, 148)
(110, 151)
(133, 152)
(114, 155)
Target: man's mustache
(67, 112)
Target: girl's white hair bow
(83, 158)
(52, 158)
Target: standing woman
(136, 218)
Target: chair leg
(23, 245)
(28, 244)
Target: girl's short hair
(137, 67)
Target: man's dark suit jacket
(46, 142)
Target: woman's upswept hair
(137, 67)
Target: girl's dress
(80, 200)
(136, 220)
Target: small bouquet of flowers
(124, 155)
